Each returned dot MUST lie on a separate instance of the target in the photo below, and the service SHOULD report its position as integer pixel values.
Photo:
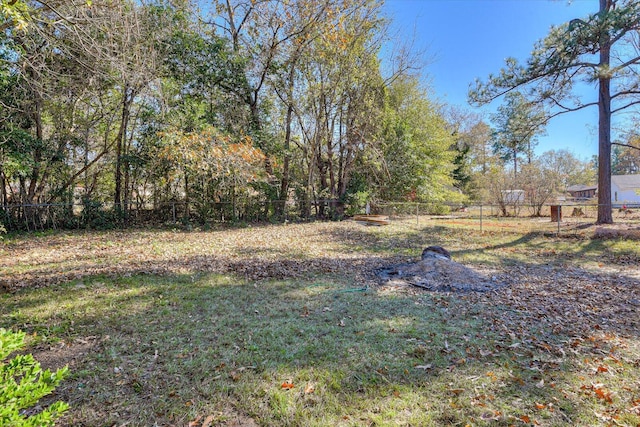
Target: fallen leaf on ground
(425, 367)
(208, 421)
(603, 394)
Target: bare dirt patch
(63, 353)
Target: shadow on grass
(497, 249)
(148, 349)
(167, 349)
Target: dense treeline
(244, 107)
(237, 109)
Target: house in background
(513, 197)
(582, 192)
(625, 189)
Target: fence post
(481, 218)
(417, 214)
(173, 211)
(559, 217)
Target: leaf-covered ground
(288, 325)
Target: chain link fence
(96, 215)
(482, 217)
(552, 218)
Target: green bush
(95, 217)
(23, 383)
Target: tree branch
(620, 144)
(635, 60)
(625, 106)
(635, 91)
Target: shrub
(95, 217)
(23, 383)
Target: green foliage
(104, 103)
(518, 122)
(357, 196)
(94, 216)
(23, 383)
(14, 13)
(417, 146)
(210, 80)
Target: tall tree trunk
(126, 199)
(604, 127)
(186, 194)
(4, 200)
(37, 153)
(127, 97)
(284, 183)
(322, 178)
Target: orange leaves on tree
(212, 153)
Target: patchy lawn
(288, 325)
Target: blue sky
(469, 39)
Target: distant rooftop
(581, 187)
(626, 182)
(623, 182)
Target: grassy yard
(287, 325)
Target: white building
(625, 189)
(513, 197)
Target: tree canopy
(602, 49)
(260, 110)
(231, 113)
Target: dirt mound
(438, 274)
